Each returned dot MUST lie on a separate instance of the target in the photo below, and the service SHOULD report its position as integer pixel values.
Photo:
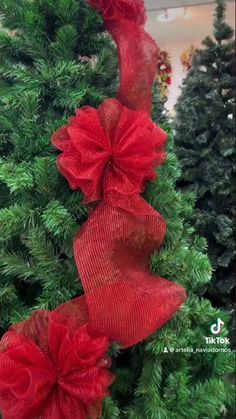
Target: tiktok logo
(216, 328)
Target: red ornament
(164, 73)
(50, 368)
(112, 150)
(133, 10)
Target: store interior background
(175, 25)
(188, 22)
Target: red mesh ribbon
(138, 52)
(117, 10)
(138, 56)
(54, 366)
(109, 154)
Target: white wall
(177, 35)
(175, 50)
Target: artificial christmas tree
(205, 144)
(160, 113)
(58, 58)
(161, 377)
(161, 88)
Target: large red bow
(51, 368)
(109, 150)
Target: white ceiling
(190, 30)
(165, 4)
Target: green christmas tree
(172, 374)
(205, 143)
(55, 57)
(160, 112)
(56, 60)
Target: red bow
(109, 150)
(50, 368)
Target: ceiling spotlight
(186, 12)
(165, 16)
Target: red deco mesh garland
(55, 364)
(109, 154)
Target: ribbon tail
(138, 58)
(112, 252)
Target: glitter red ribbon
(138, 53)
(47, 368)
(54, 365)
(109, 154)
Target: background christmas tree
(205, 140)
(162, 377)
(159, 111)
(45, 75)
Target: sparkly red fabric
(112, 150)
(52, 368)
(55, 365)
(138, 52)
(138, 58)
(109, 154)
(132, 10)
